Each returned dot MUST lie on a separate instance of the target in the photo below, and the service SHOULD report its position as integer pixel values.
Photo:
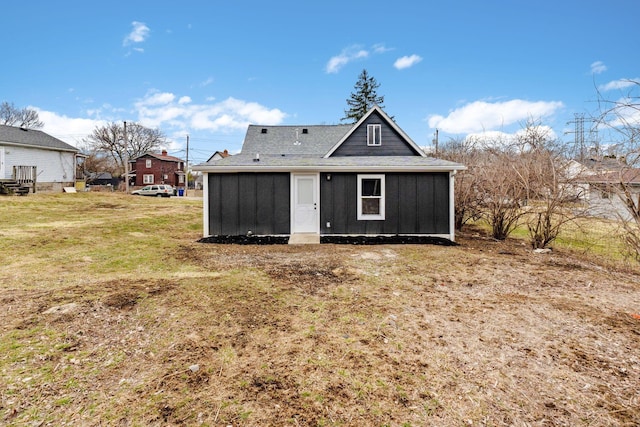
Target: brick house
(153, 168)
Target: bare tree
(11, 115)
(548, 180)
(109, 139)
(503, 195)
(524, 180)
(468, 199)
(97, 161)
(621, 119)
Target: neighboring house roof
(12, 135)
(219, 155)
(285, 148)
(605, 164)
(163, 156)
(100, 175)
(627, 176)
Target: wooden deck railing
(25, 175)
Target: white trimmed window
(370, 197)
(148, 163)
(147, 179)
(374, 135)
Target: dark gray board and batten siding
(415, 203)
(392, 143)
(243, 202)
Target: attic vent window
(374, 135)
(264, 130)
(305, 130)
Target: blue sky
(210, 68)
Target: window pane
(374, 136)
(305, 191)
(371, 187)
(370, 206)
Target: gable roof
(387, 119)
(309, 148)
(219, 155)
(32, 138)
(629, 176)
(163, 156)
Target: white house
(49, 163)
(614, 194)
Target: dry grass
(112, 314)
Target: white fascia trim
(389, 122)
(39, 147)
(312, 169)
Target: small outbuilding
(365, 179)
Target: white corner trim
(205, 204)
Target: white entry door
(305, 204)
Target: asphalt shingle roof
(286, 148)
(32, 138)
(308, 140)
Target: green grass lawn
(113, 314)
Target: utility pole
(435, 142)
(126, 160)
(186, 170)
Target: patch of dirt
(483, 333)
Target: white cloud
(347, 55)
(482, 116)
(598, 67)
(158, 98)
(71, 130)
(160, 110)
(380, 48)
(207, 82)
(619, 84)
(139, 33)
(174, 115)
(406, 61)
(625, 116)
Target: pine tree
(363, 98)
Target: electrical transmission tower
(579, 142)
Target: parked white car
(159, 190)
